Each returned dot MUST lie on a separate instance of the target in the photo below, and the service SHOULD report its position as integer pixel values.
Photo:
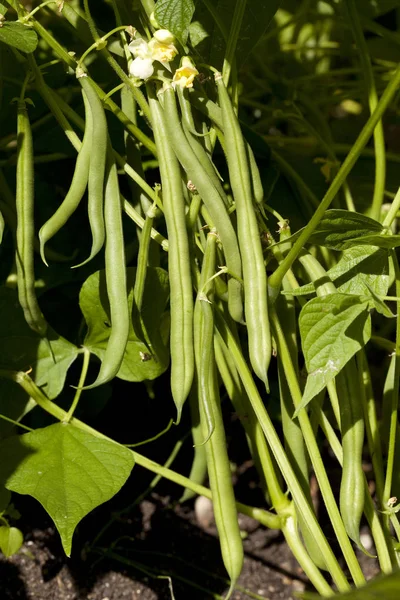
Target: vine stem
(350, 10)
(275, 280)
(266, 518)
(234, 30)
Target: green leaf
(141, 361)
(19, 36)
(11, 540)
(384, 586)
(332, 328)
(379, 305)
(3, 9)
(176, 16)
(340, 228)
(69, 471)
(22, 349)
(359, 266)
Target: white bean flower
(160, 48)
(184, 76)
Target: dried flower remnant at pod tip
(184, 76)
(160, 48)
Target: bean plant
(230, 219)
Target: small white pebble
(366, 541)
(204, 512)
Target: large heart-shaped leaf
(332, 328)
(19, 36)
(22, 349)
(144, 359)
(69, 471)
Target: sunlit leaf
(11, 540)
(175, 15)
(69, 471)
(385, 587)
(332, 328)
(19, 36)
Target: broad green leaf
(332, 328)
(19, 36)
(69, 471)
(176, 16)
(11, 540)
(385, 587)
(5, 497)
(141, 361)
(3, 9)
(340, 227)
(359, 266)
(22, 349)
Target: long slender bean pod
(181, 295)
(115, 277)
(76, 190)
(352, 424)
(97, 166)
(218, 465)
(25, 234)
(254, 273)
(211, 198)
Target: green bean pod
(76, 190)
(97, 167)
(25, 233)
(352, 490)
(254, 272)
(115, 269)
(211, 198)
(218, 465)
(181, 294)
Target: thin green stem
(15, 423)
(394, 208)
(379, 138)
(275, 280)
(264, 517)
(281, 457)
(315, 456)
(394, 394)
(240, 7)
(79, 389)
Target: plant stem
(351, 11)
(264, 517)
(275, 280)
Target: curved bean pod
(218, 465)
(25, 233)
(181, 294)
(97, 166)
(76, 190)
(254, 272)
(211, 198)
(352, 489)
(115, 277)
